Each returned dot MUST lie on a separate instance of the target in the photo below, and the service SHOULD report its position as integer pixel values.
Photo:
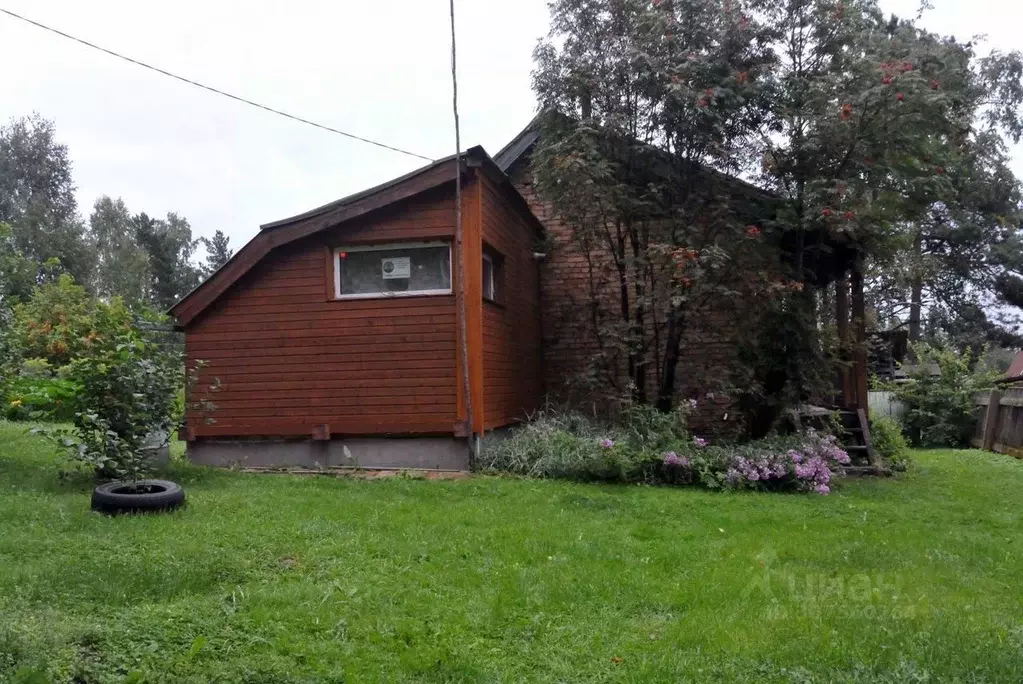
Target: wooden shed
(335, 335)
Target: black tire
(123, 497)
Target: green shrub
(644, 428)
(939, 396)
(41, 398)
(889, 442)
(61, 321)
(126, 388)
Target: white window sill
(393, 295)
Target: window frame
(382, 247)
(487, 257)
(496, 261)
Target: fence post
(991, 419)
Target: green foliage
(567, 445)
(639, 100)
(40, 397)
(18, 274)
(644, 428)
(881, 142)
(126, 388)
(61, 321)
(887, 438)
(218, 252)
(10, 351)
(791, 360)
(123, 268)
(169, 246)
(940, 396)
(37, 198)
(144, 261)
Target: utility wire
(211, 88)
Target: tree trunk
(637, 341)
(917, 289)
(672, 344)
(626, 306)
(842, 321)
(859, 325)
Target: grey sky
(376, 69)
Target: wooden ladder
(856, 441)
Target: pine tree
(217, 252)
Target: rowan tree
(855, 124)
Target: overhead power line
(211, 88)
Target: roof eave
(285, 231)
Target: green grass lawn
(273, 578)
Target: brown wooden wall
(290, 358)
(512, 380)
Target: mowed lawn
(275, 578)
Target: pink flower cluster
(673, 459)
(812, 465)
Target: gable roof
(519, 145)
(522, 144)
(285, 231)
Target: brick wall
(570, 320)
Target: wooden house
(334, 335)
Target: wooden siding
(472, 256)
(512, 381)
(290, 358)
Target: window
(422, 268)
(493, 272)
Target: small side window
(493, 270)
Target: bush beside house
(656, 448)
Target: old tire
(145, 496)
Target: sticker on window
(394, 268)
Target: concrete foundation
(419, 453)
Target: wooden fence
(885, 404)
(1000, 421)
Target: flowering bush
(806, 467)
(568, 446)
